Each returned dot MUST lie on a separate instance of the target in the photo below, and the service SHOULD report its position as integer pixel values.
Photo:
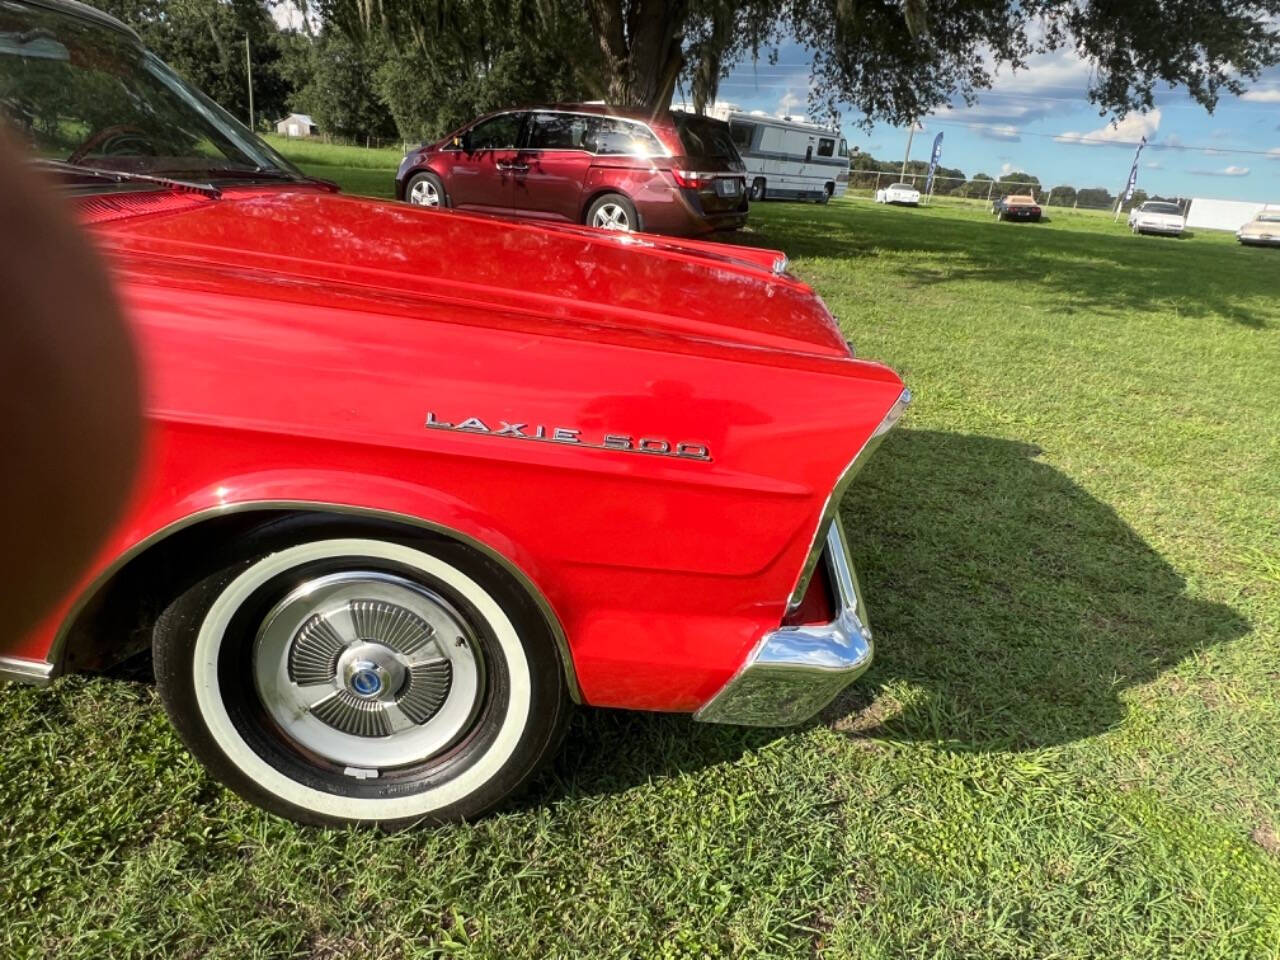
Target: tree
(1063, 196)
(204, 40)
(338, 88)
(892, 60)
(1098, 198)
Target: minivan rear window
(702, 137)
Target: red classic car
(416, 481)
(606, 167)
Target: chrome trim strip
(21, 670)
(831, 508)
(54, 664)
(793, 672)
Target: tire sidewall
(189, 637)
(433, 178)
(625, 202)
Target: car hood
(1260, 227)
(573, 276)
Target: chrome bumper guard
(793, 672)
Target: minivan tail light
(692, 178)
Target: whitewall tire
(336, 678)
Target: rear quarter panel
(663, 572)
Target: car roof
(85, 12)
(599, 109)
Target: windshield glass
(1269, 218)
(1161, 208)
(82, 93)
(901, 186)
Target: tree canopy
(890, 60)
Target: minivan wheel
(757, 188)
(336, 678)
(613, 211)
(426, 190)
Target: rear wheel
(757, 188)
(613, 211)
(335, 677)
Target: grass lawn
(1069, 745)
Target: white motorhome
(788, 159)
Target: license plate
(728, 188)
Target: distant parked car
(1157, 216)
(1263, 230)
(673, 173)
(1017, 206)
(899, 193)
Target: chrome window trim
(37, 673)
(831, 508)
(53, 666)
(599, 116)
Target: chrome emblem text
(620, 442)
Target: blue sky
(1040, 120)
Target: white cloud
(1231, 171)
(1154, 165)
(1008, 168)
(789, 101)
(1261, 96)
(1122, 133)
(996, 131)
(1274, 153)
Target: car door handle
(513, 167)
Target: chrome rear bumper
(794, 672)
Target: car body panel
(900, 194)
(309, 348)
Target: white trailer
(788, 159)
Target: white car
(1263, 230)
(899, 193)
(1157, 216)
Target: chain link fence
(984, 189)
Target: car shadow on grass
(1011, 608)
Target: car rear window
(703, 137)
(1161, 208)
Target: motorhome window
(844, 148)
(742, 134)
(826, 147)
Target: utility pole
(248, 70)
(910, 135)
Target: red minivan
(674, 173)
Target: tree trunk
(641, 42)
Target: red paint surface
(294, 341)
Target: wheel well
(604, 191)
(117, 620)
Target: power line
(1115, 143)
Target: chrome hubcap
(368, 669)
(424, 194)
(612, 216)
